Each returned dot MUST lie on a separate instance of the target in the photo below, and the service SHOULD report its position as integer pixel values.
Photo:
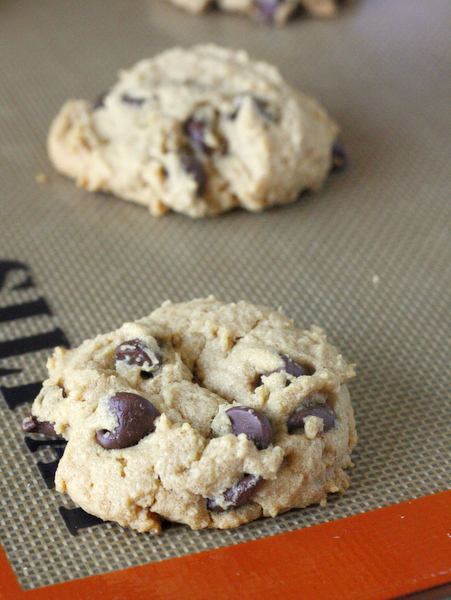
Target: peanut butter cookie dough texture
(203, 413)
(198, 131)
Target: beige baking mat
(367, 259)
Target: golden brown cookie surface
(204, 413)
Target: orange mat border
(376, 555)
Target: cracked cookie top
(206, 413)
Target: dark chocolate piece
(263, 107)
(339, 157)
(253, 423)
(194, 167)
(195, 129)
(100, 101)
(294, 368)
(136, 417)
(32, 425)
(323, 410)
(128, 99)
(290, 367)
(136, 353)
(239, 494)
(202, 130)
(266, 10)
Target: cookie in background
(198, 131)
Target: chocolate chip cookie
(266, 11)
(198, 131)
(203, 413)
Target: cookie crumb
(41, 178)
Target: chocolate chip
(323, 410)
(196, 132)
(33, 425)
(213, 506)
(266, 10)
(136, 353)
(136, 417)
(239, 494)
(202, 130)
(242, 492)
(290, 367)
(339, 158)
(253, 423)
(194, 167)
(100, 101)
(129, 99)
(264, 108)
(294, 368)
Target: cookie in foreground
(203, 413)
(198, 131)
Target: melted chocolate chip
(323, 410)
(194, 167)
(263, 107)
(294, 368)
(203, 131)
(290, 367)
(266, 10)
(253, 423)
(195, 129)
(136, 417)
(33, 425)
(136, 353)
(100, 101)
(129, 99)
(339, 158)
(239, 494)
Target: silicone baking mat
(367, 259)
